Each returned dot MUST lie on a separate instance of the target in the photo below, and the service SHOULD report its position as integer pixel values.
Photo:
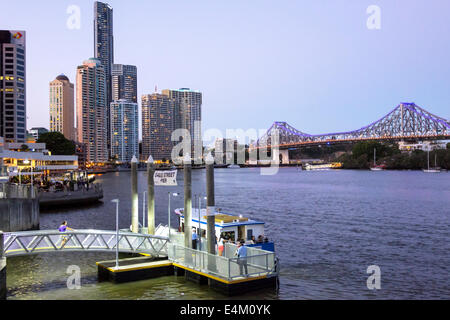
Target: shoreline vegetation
(361, 155)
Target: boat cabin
(228, 226)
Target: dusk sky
(314, 64)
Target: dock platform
(134, 269)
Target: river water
(328, 227)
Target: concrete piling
(151, 196)
(210, 204)
(134, 197)
(210, 209)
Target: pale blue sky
(314, 64)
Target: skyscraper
(91, 110)
(157, 126)
(104, 48)
(124, 82)
(124, 130)
(13, 120)
(188, 114)
(62, 107)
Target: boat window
(228, 235)
(249, 234)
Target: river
(328, 227)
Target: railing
(257, 263)
(32, 242)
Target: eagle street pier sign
(165, 178)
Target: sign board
(165, 178)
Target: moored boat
(229, 227)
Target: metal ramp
(34, 242)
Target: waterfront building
(36, 156)
(92, 110)
(421, 145)
(188, 114)
(13, 120)
(61, 100)
(36, 132)
(157, 126)
(225, 149)
(104, 49)
(124, 82)
(124, 130)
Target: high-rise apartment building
(13, 120)
(124, 130)
(62, 117)
(188, 114)
(157, 126)
(124, 82)
(91, 110)
(104, 49)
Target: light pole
(199, 217)
(168, 212)
(116, 201)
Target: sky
(314, 64)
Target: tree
(24, 148)
(57, 144)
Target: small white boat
(234, 166)
(375, 166)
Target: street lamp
(116, 201)
(168, 213)
(199, 219)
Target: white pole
(116, 201)
(143, 210)
(199, 225)
(168, 216)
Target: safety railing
(33, 242)
(227, 268)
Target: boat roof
(223, 219)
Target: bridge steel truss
(33, 242)
(406, 121)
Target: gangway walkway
(33, 242)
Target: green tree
(24, 148)
(57, 144)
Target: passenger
(266, 240)
(260, 239)
(194, 239)
(63, 228)
(253, 240)
(221, 246)
(241, 253)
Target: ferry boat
(323, 167)
(231, 227)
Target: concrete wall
(19, 214)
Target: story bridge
(406, 122)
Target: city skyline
(360, 85)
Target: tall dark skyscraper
(104, 49)
(124, 82)
(13, 120)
